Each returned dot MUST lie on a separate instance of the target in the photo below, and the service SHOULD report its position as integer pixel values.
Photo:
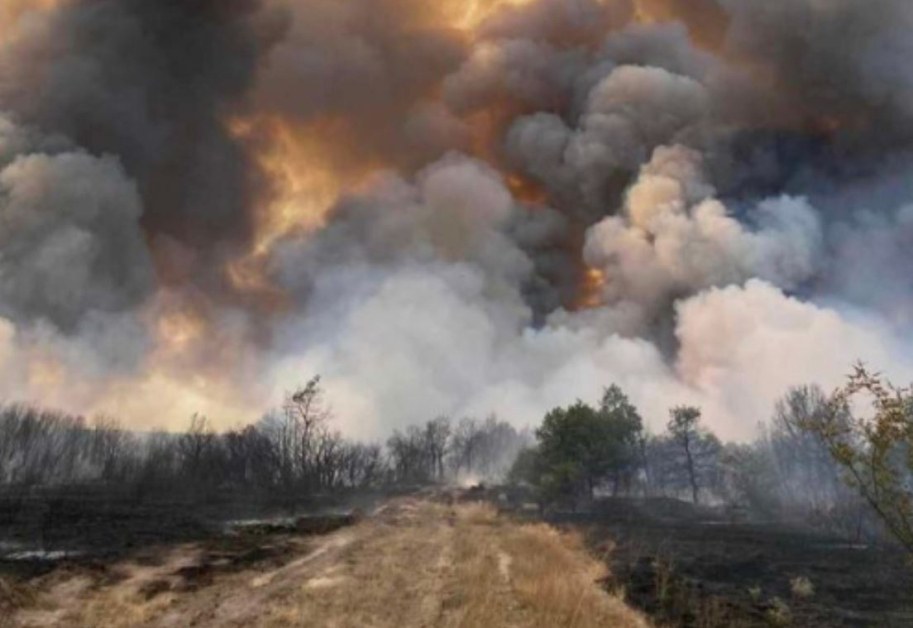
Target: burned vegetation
(72, 488)
(450, 208)
(801, 527)
(806, 526)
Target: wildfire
(305, 184)
(305, 187)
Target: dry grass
(13, 596)
(527, 575)
(801, 587)
(391, 574)
(417, 564)
(120, 610)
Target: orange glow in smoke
(707, 22)
(178, 330)
(305, 186)
(307, 175)
(11, 11)
(526, 191)
(469, 14)
(591, 289)
(250, 276)
(46, 372)
(195, 365)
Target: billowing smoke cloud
(71, 243)
(151, 83)
(454, 207)
(674, 239)
(628, 113)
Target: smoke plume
(459, 207)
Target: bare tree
(437, 438)
(465, 445)
(486, 449)
(697, 446)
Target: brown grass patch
(13, 596)
(418, 563)
(528, 575)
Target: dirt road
(414, 562)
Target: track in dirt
(412, 562)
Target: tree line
(293, 451)
(815, 461)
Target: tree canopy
(581, 446)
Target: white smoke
(673, 238)
(426, 318)
(400, 346)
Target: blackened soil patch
(688, 569)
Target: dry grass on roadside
(392, 574)
(119, 609)
(531, 575)
(418, 563)
(13, 596)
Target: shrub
(801, 587)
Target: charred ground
(687, 566)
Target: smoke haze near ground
(453, 207)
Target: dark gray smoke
(151, 82)
(71, 242)
(704, 201)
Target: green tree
(581, 446)
(627, 428)
(526, 467)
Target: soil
(692, 567)
(43, 529)
(412, 562)
(161, 564)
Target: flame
(307, 175)
(305, 185)
(168, 400)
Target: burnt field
(680, 565)
(690, 567)
(415, 561)
(42, 530)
